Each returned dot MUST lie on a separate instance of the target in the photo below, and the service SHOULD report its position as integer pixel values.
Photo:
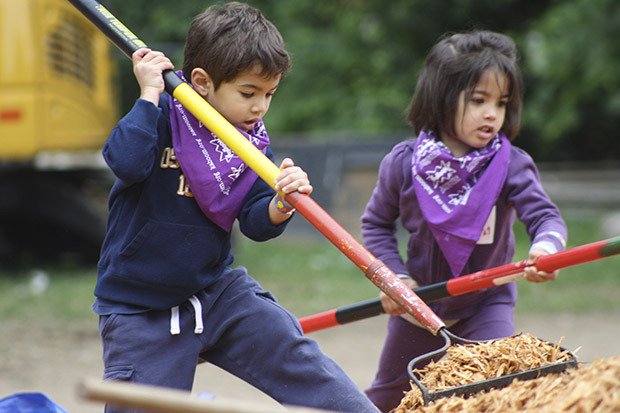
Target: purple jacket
(394, 197)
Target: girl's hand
(532, 274)
(148, 67)
(292, 178)
(390, 306)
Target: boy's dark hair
(226, 40)
(455, 64)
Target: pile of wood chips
(469, 363)
(591, 388)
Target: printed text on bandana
(440, 177)
(226, 155)
(456, 194)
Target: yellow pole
(227, 133)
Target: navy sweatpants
(245, 333)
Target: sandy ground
(53, 359)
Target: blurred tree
(357, 60)
(355, 63)
(572, 61)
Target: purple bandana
(218, 179)
(456, 195)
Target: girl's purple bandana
(218, 179)
(456, 195)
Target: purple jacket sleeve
(541, 217)
(378, 222)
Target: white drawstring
(175, 327)
(197, 313)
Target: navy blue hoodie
(160, 249)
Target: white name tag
(488, 231)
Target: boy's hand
(292, 178)
(532, 274)
(148, 67)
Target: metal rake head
(484, 385)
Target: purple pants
(405, 341)
(245, 332)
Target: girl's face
(244, 100)
(479, 116)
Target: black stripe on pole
(119, 34)
(433, 292)
(358, 311)
(172, 80)
(372, 307)
(116, 31)
(611, 247)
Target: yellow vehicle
(57, 106)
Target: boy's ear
(201, 81)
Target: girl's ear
(201, 81)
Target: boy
(165, 294)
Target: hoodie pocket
(172, 255)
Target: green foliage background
(356, 62)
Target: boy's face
(479, 116)
(244, 100)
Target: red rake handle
(377, 272)
(374, 269)
(465, 284)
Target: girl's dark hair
(456, 64)
(226, 40)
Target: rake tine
(493, 383)
(410, 367)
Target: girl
(457, 190)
